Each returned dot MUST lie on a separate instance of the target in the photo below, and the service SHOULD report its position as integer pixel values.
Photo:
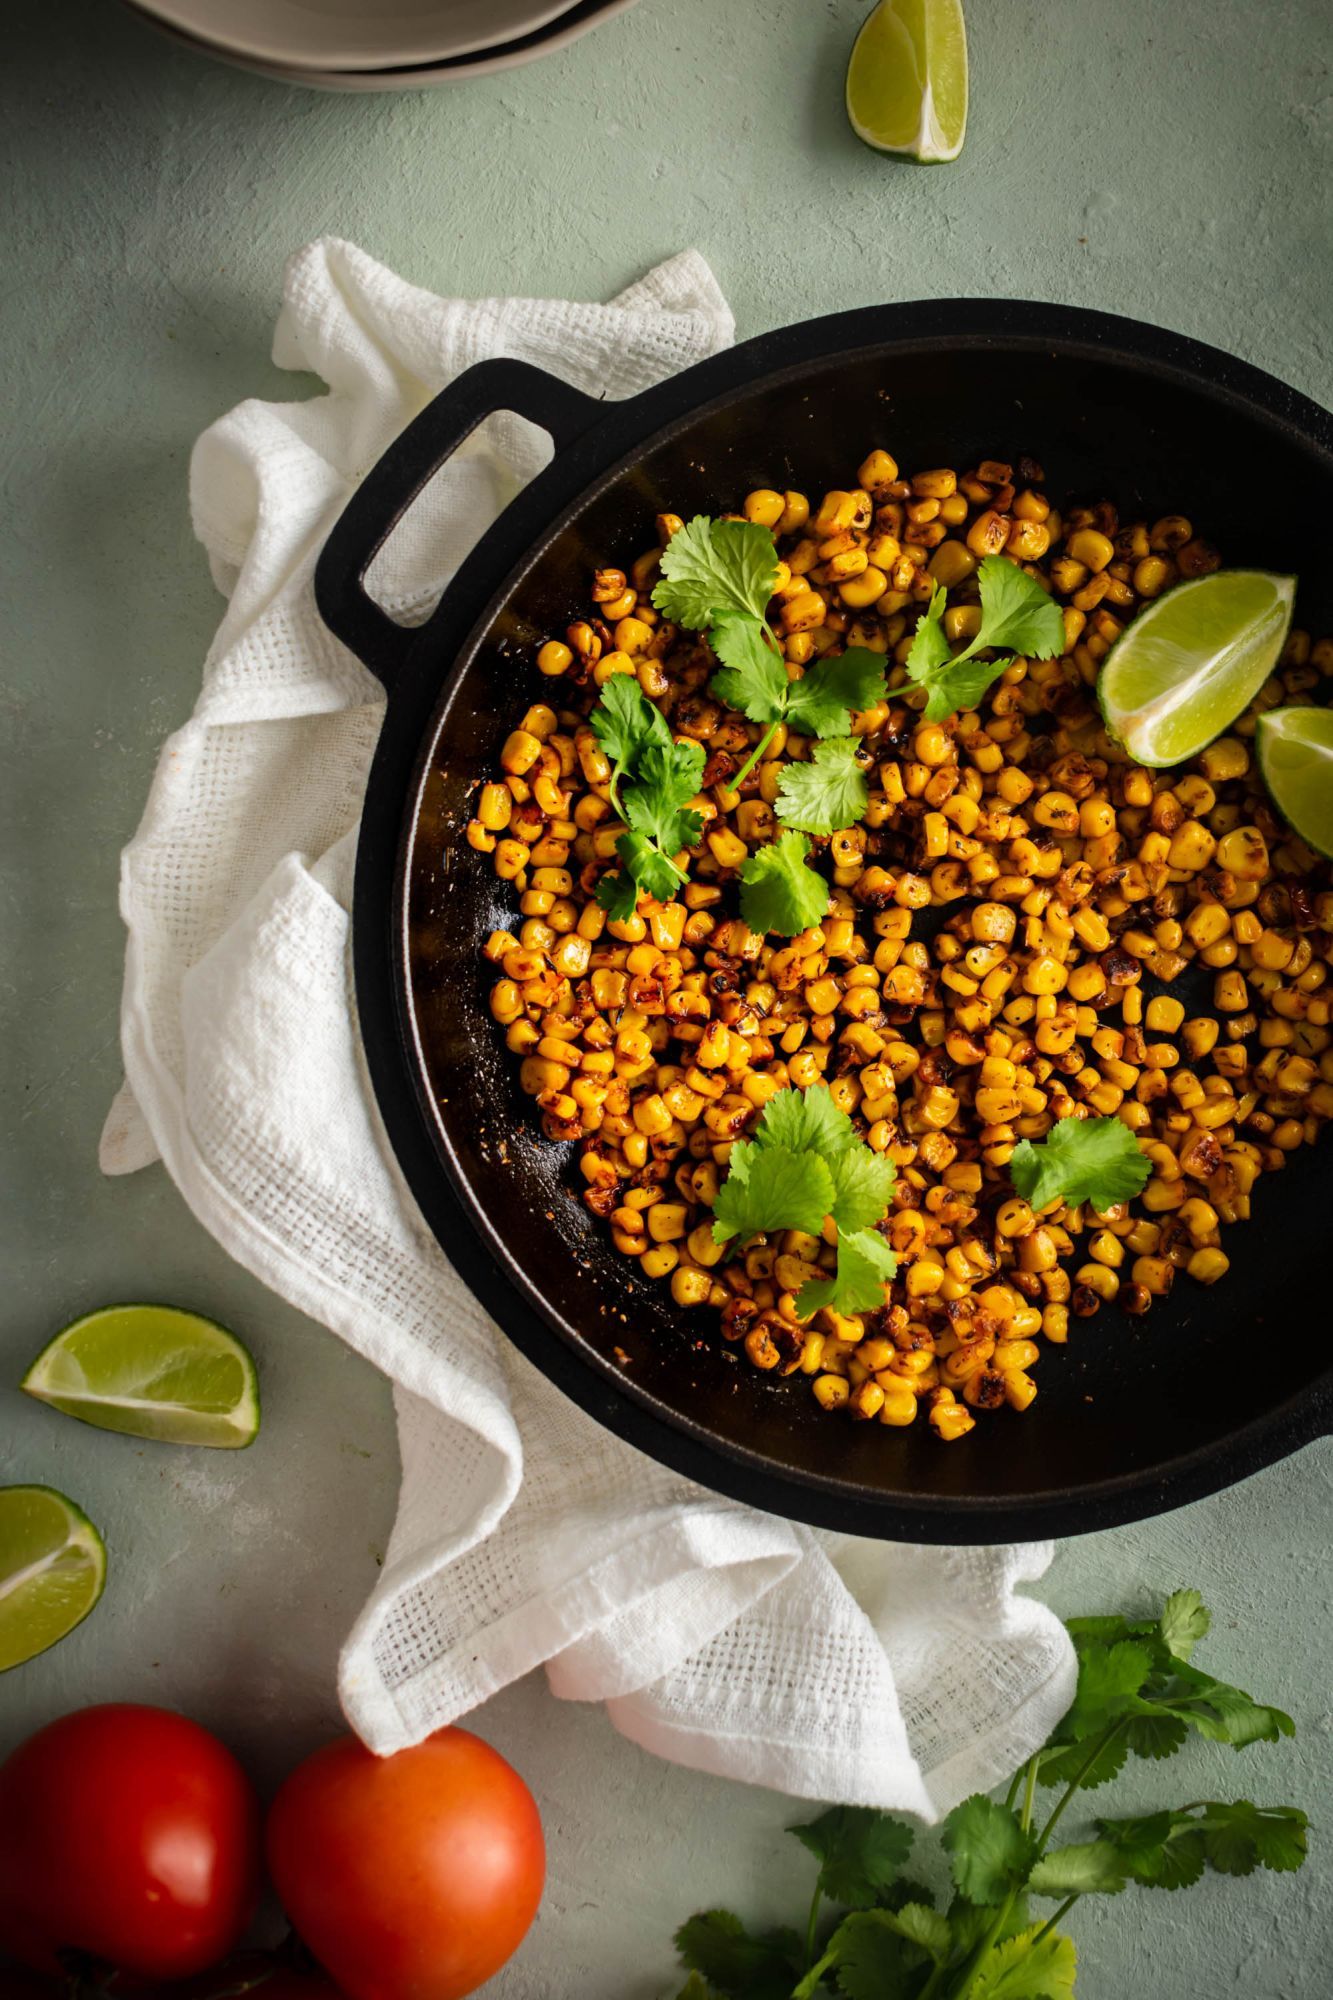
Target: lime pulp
(907, 79)
(153, 1372)
(52, 1570)
(1295, 748)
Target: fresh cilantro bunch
(1017, 616)
(718, 577)
(805, 1162)
(1138, 1694)
(658, 776)
(1096, 1160)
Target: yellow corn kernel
(832, 1392)
(1208, 1265)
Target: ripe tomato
(129, 1833)
(412, 1877)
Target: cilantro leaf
(1026, 1967)
(1154, 1736)
(625, 722)
(1097, 1160)
(822, 701)
(930, 648)
(1241, 1837)
(1185, 1620)
(1067, 1763)
(618, 894)
(862, 1184)
(696, 1987)
(1108, 1680)
(709, 567)
(873, 1958)
(665, 777)
(804, 1119)
(717, 1945)
(990, 1852)
(865, 1265)
(1016, 612)
(827, 793)
(1091, 1867)
(778, 892)
(861, 1852)
(753, 676)
(1017, 616)
(960, 686)
(1217, 1711)
(775, 1189)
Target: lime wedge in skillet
(52, 1568)
(154, 1372)
(1296, 757)
(907, 79)
(1187, 666)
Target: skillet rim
(620, 434)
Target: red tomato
(412, 1877)
(129, 1833)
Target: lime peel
(153, 1372)
(52, 1570)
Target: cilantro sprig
(1017, 616)
(887, 1938)
(1097, 1160)
(804, 1163)
(658, 776)
(719, 577)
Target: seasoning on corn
(1104, 941)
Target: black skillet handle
(390, 487)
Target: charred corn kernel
(1208, 1265)
(988, 533)
(1192, 846)
(1151, 575)
(832, 1392)
(1164, 1015)
(803, 612)
(949, 1420)
(1230, 993)
(520, 752)
(554, 658)
(1055, 1323)
(1155, 1274)
(690, 1287)
(1244, 853)
(1226, 759)
(765, 506)
(1091, 548)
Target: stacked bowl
(360, 45)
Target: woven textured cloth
(525, 1534)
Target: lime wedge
(907, 79)
(152, 1371)
(1187, 666)
(52, 1569)
(1296, 757)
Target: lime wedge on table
(1184, 669)
(907, 79)
(1296, 757)
(52, 1568)
(153, 1371)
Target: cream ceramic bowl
(559, 32)
(354, 34)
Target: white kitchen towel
(526, 1535)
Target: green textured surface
(1162, 161)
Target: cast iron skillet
(1133, 1417)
